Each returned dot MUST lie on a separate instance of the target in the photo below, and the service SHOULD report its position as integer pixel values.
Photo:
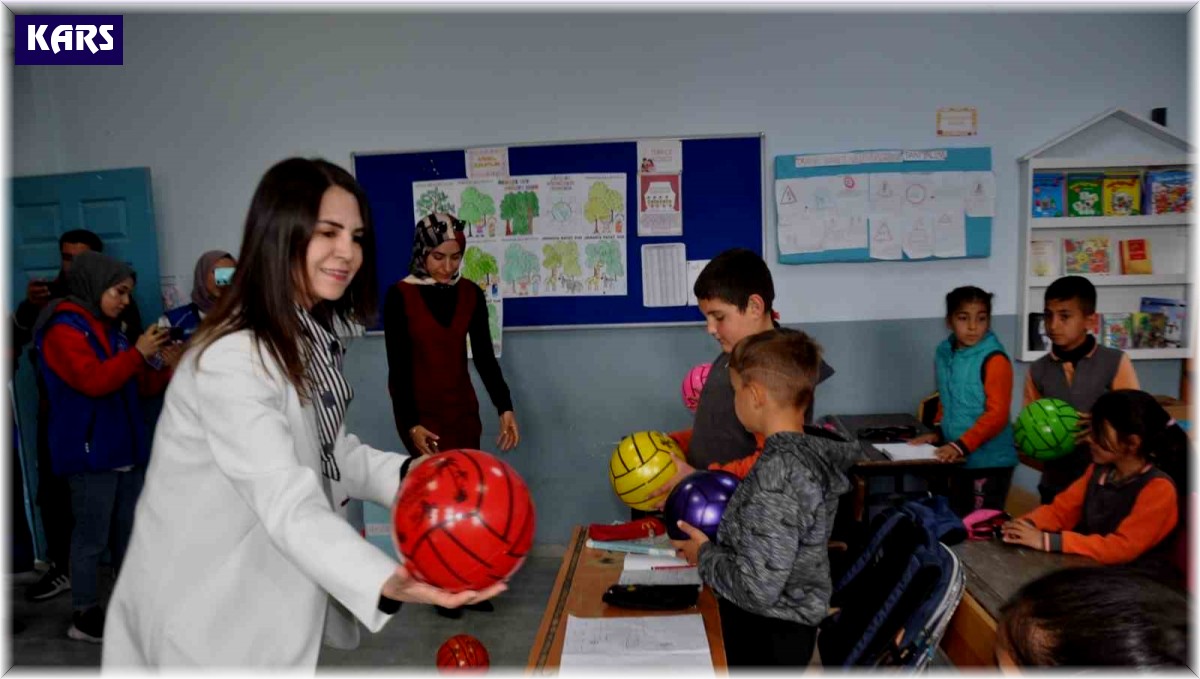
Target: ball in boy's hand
(640, 464)
(462, 651)
(693, 383)
(700, 500)
(1045, 429)
(463, 520)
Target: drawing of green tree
(518, 210)
(602, 202)
(519, 265)
(476, 206)
(434, 200)
(479, 266)
(605, 256)
(561, 255)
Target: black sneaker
(87, 625)
(452, 613)
(53, 583)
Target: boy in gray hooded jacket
(769, 565)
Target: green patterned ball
(1045, 429)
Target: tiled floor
(409, 641)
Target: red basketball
(462, 651)
(463, 520)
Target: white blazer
(237, 548)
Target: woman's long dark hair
(271, 268)
(1099, 617)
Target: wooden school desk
(875, 463)
(995, 571)
(582, 579)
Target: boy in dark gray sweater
(770, 565)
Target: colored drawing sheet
(551, 235)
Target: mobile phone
(223, 275)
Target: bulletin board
(884, 205)
(721, 191)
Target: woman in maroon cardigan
(427, 318)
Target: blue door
(114, 204)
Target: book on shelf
(1049, 194)
(1116, 330)
(1122, 194)
(1168, 191)
(1086, 255)
(1043, 258)
(1175, 313)
(1149, 330)
(1037, 340)
(1084, 191)
(1135, 256)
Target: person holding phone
(214, 271)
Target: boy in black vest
(1077, 370)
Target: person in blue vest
(97, 435)
(974, 379)
(214, 271)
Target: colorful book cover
(1175, 312)
(1043, 258)
(1083, 194)
(1116, 330)
(1049, 193)
(1149, 330)
(1122, 195)
(1086, 256)
(1169, 191)
(1135, 256)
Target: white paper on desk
(903, 452)
(670, 576)
(667, 641)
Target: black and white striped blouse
(331, 393)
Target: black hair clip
(887, 434)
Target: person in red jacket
(1125, 506)
(98, 441)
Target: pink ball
(693, 383)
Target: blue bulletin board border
(970, 159)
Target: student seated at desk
(736, 293)
(769, 566)
(1094, 617)
(974, 379)
(1125, 505)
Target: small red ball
(462, 651)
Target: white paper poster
(949, 234)
(887, 235)
(694, 267)
(660, 156)
(660, 205)
(551, 235)
(664, 275)
(979, 195)
(918, 243)
(487, 163)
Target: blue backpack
(892, 605)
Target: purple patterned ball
(700, 500)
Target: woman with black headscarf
(427, 319)
(98, 439)
(214, 270)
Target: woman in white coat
(238, 553)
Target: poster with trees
(538, 235)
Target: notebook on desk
(903, 452)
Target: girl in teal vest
(974, 379)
